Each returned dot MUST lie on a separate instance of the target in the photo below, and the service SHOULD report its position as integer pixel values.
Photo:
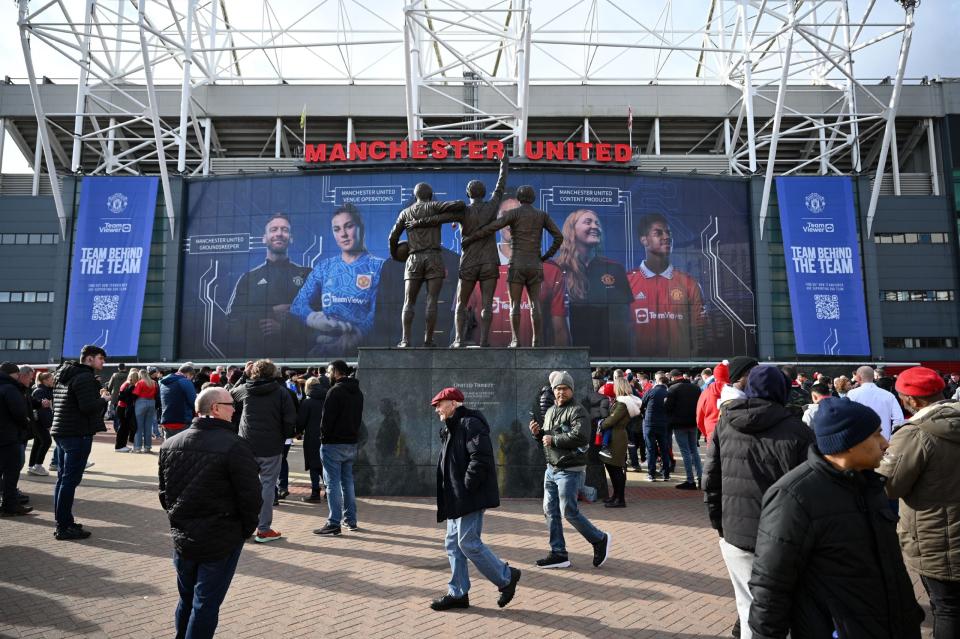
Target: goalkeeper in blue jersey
(338, 300)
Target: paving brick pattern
(665, 577)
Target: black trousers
(618, 478)
(9, 474)
(41, 444)
(127, 421)
(945, 603)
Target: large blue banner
(823, 265)
(650, 267)
(108, 273)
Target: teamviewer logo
(642, 315)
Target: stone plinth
(401, 439)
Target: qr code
(105, 307)
(828, 307)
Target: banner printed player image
(594, 292)
(338, 301)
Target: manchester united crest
(298, 281)
(364, 280)
(607, 279)
(676, 294)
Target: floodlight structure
(796, 105)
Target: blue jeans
(337, 460)
(560, 489)
(146, 412)
(269, 471)
(658, 443)
(687, 442)
(71, 456)
(203, 587)
(463, 542)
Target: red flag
(630, 118)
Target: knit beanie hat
(608, 391)
(721, 373)
(740, 366)
(561, 378)
(841, 424)
(767, 382)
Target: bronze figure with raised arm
(527, 225)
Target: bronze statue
(527, 224)
(424, 261)
(480, 261)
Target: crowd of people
(819, 488)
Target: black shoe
(601, 550)
(17, 512)
(616, 503)
(22, 499)
(736, 629)
(284, 494)
(699, 483)
(447, 602)
(553, 561)
(276, 502)
(507, 592)
(609, 500)
(312, 498)
(687, 485)
(69, 534)
(329, 529)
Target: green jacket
(570, 428)
(921, 469)
(623, 410)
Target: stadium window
(16, 296)
(4, 297)
(920, 342)
(917, 296)
(41, 296)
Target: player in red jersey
(667, 309)
(553, 299)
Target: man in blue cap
(827, 556)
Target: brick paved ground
(665, 577)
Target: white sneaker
(89, 464)
(38, 470)
(125, 449)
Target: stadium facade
(706, 155)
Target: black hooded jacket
(77, 406)
(466, 470)
(14, 419)
(681, 404)
(210, 488)
(267, 415)
(828, 558)
(342, 413)
(309, 416)
(755, 443)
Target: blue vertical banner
(108, 271)
(824, 273)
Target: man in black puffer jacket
(268, 417)
(466, 486)
(79, 403)
(339, 435)
(827, 555)
(14, 425)
(756, 442)
(210, 489)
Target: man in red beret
(466, 486)
(921, 469)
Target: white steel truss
(468, 66)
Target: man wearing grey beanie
(827, 555)
(565, 437)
